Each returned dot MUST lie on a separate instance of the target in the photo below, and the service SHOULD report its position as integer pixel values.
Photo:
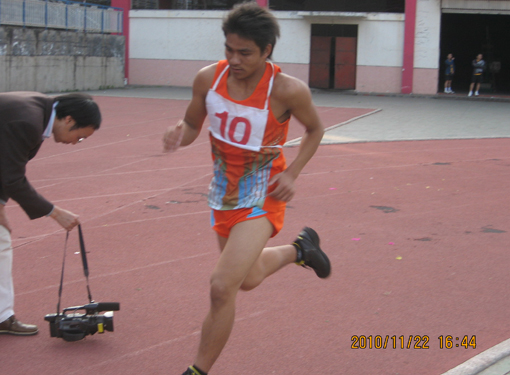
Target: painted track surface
(417, 233)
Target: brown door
(320, 58)
(345, 63)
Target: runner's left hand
(284, 190)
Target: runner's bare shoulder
(204, 78)
(289, 89)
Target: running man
(249, 103)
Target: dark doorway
(465, 36)
(333, 57)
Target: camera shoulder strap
(85, 267)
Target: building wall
(380, 54)
(426, 48)
(44, 60)
(169, 47)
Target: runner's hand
(173, 137)
(284, 190)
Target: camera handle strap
(84, 261)
(62, 275)
(85, 267)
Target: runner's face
(244, 56)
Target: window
(388, 6)
(197, 4)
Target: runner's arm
(302, 108)
(298, 99)
(188, 129)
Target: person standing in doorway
(449, 72)
(249, 103)
(478, 69)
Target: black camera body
(73, 326)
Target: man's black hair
(253, 22)
(81, 107)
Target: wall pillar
(409, 38)
(126, 7)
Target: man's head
(479, 57)
(250, 21)
(450, 56)
(81, 107)
(77, 117)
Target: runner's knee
(220, 292)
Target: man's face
(63, 132)
(450, 56)
(479, 57)
(244, 56)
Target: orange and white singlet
(246, 141)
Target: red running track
(417, 233)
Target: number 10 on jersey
(233, 127)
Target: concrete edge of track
(483, 361)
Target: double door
(333, 62)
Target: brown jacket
(23, 118)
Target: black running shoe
(191, 371)
(311, 254)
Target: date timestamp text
(411, 342)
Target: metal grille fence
(67, 15)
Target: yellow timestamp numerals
(450, 342)
(410, 342)
(390, 342)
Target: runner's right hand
(173, 137)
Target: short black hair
(253, 22)
(81, 107)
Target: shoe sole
(19, 333)
(315, 239)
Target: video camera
(75, 326)
(72, 325)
